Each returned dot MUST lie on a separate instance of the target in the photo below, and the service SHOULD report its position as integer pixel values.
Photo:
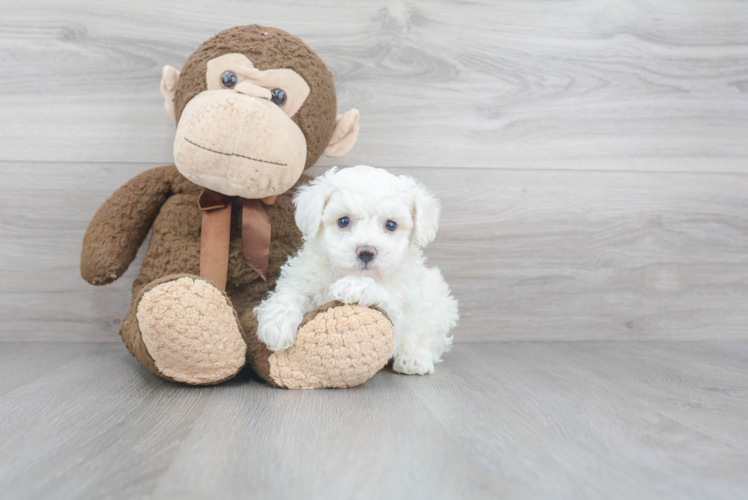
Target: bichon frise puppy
(363, 231)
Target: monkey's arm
(121, 224)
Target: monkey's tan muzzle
(239, 145)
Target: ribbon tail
(215, 235)
(256, 233)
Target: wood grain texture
(541, 255)
(501, 420)
(592, 162)
(523, 84)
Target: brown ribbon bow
(216, 234)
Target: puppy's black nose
(366, 254)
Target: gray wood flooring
(566, 420)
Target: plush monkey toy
(254, 107)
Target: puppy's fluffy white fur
(332, 263)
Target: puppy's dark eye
(279, 96)
(343, 222)
(391, 225)
(229, 79)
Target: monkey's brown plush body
(182, 326)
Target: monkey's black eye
(391, 225)
(229, 79)
(343, 222)
(279, 96)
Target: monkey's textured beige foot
(190, 331)
(337, 346)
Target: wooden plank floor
(574, 420)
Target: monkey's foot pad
(343, 346)
(190, 330)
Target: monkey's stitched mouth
(234, 154)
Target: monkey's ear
(344, 136)
(169, 80)
(310, 201)
(426, 211)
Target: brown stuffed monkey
(254, 107)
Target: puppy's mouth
(366, 266)
(370, 270)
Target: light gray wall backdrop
(591, 156)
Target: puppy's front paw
(414, 363)
(357, 290)
(278, 326)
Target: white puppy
(363, 232)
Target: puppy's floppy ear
(310, 202)
(426, 211)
